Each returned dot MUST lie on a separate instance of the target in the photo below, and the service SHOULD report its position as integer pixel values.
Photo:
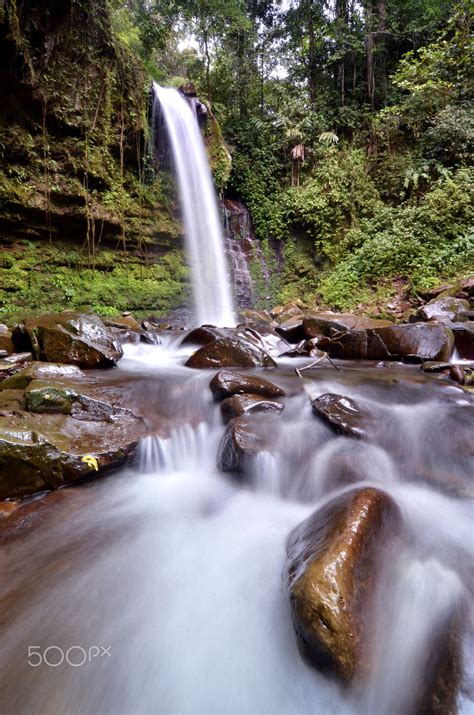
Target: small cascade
(242, 248)
(203, 231)
(181, 450)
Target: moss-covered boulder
(72, 338)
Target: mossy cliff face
(72, 132)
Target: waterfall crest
(203, 231)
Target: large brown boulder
(40, 371)
(204, 335)
(242, 405)
(464, 339)
(417, 341)
(341, 413)
(227, 383)
(230, 352)
(240, 441)
(72, 338)
(324, 324)
(334, 561)
(55, 450)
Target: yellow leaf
(91, 461)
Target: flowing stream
(177, 569)
(203, 230)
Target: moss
(219, 156)
(37, 278)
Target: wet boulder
(325, 324)
(248, 404)
(227, 383)
(344, 415)
(412, 342)
(291, 330)
(40, 371)
(40, 455)
(464, 339)
(433, 366)
(12, 364)
(230, 352)
(334, 562)
(62, 398)
(204, 335)
(6, 343)
(242, 439)
(72, 338)
(443, 309)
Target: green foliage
(331, 201)
(423, 243)
(35, 279)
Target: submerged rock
(334, 561)
(342, 414)
(13, 364)
(72, 338)
(240, 440)
(248, 404)
(433, 366)
(227, 383)
(230, 352)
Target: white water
(203, 230)
(179, 568)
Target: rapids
(176, 569)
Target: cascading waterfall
(203, 230)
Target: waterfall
(203, 230)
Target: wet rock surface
(72, 338)
(334, 559)
(443, 309)
(228, 382)
(230, 352)
(414, 342)
(343, 414)
(240, 441)
(248, 404)
(325, 324)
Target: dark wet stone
(227, 383)
(229, 352)
(334, 561)
(204, 335)
(325, 324)
(342, 414)
(240, 440)
(12, 364)
(72, 338)
(41, 452)
(412, 342)
(457, 374)
(464, 339)
(149, 337)
(292, 330)
(442, 309)
(433, 366)
(248, 404)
